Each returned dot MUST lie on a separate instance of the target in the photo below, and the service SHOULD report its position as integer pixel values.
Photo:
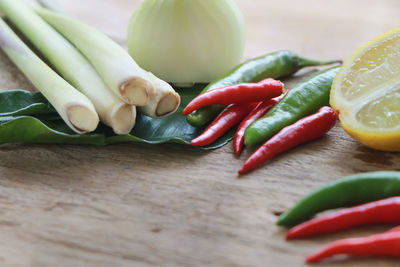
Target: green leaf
(27, 129)
(28, 118)
(22, 102)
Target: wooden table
(172, 205)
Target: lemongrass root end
(136, 91)
(82, 118)
(168, 104)
(123, 119)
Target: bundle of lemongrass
(99, 78)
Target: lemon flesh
(366, 93)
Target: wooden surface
(171, 205)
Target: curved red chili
(396, 229)
(236, 94)
(386, 244)
(304, 130)
(257, 113)
(229, 117)
(382, 211)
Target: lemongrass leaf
(75, 108)
(71, 65)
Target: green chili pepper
(275, 65)
(349, 191)
(304, 99)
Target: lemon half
(366, 93)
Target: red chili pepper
(228, 118)
(382, 211)
(396, 229)
(304, 130)
(236, 94)
(257, 113)
(386, 244)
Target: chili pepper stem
(305, 62)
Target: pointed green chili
(349, 191)
(302, 100)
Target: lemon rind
(382, 142)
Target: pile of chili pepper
(276, 65)
(282, 120)
(377, 195)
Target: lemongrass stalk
(74, 108)
(72, 65)
(52, 5)
(112, 62)
(163, 101)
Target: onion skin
(192, 41)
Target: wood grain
(172, 205)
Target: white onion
(187, 41)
